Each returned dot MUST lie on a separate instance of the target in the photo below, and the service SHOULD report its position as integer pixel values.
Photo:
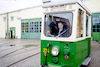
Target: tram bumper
(53, 65)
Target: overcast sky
(12, 5)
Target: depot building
(26, 23)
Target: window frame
(87, 33)
(58, 13)
(82, 24)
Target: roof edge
(22, 9)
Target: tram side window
(80, 23)
(58, 25)
(45, 20)
(87, 23)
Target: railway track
(98, 42)
(19, 52)
(23, 59)
(12, 52)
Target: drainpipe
(84, 2)
(7, 26)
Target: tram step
(86, 61)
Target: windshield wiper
(62, 33)
(50, 35)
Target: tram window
(58, 25)
(87, 19)
(80, 23)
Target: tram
(66, 34)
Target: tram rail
(23, 59)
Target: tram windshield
(58, 25)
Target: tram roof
(61, 2)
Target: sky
(12, 5)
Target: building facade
(25, 23)
(94, 6)
(3, 25)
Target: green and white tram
(66, 34)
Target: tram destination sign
(58, 8)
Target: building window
(12, 18)
(80, 23)
(35, 27)
(4, 19)
(96, 24)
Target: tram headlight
(54, 51)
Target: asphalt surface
(19, 53)
(26, 53)
(95, 54)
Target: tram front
(58, 36)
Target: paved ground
(95, 54)
(26, 53)
(19, 53)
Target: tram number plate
(45, 50)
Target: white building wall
(93, 5)
(3, 25)
(15, 23)
(35, 12)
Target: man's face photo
(60, 26)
